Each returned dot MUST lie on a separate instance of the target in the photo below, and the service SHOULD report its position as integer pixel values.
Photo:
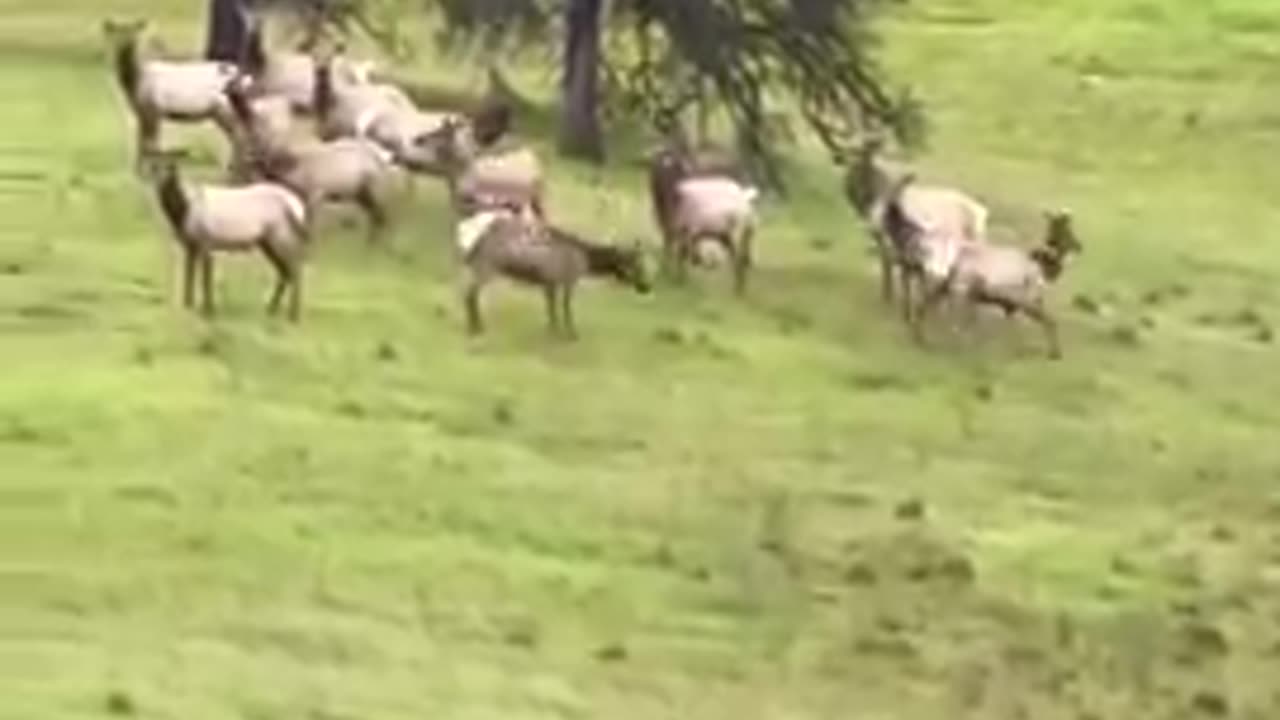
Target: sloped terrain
(776, 508)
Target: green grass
(777, 508)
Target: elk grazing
(208, 219)
(950, 217)
(166, 90)
(514, 243)
(344, 170)
(1014, 279)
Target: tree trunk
(227, 31)
(580, 132)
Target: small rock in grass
(1211, 703)
(1126, 335)
(120, 702)
(612, 652)
(913, 509)
(502, 413)
(387, 352)
(1086, 304)
(668, 336)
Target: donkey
(511, 241)
(207, 219)
(166, 90)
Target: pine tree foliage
(749, 61)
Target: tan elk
(208, 219)
(159, 91)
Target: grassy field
(777, 508)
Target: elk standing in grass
(949, 219)
(1013, 279)
(672, 162)
(692, 206)
(344, 170)
(513, 243)
(209, 219)
(166, 90)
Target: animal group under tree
(310, 126)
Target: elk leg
(368, 200)
(148, 129)
(294, 263)
(742, 261)
(668, 254)
(566, 313)
(684, 255)
(189, 261)
(1046, 321)
(886, 268)
(905, 282)
(206, 277)
(277, 261)
(471, 302)
(553, 319)
(932, 297)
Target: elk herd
(309, 129)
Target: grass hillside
(776, 508)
